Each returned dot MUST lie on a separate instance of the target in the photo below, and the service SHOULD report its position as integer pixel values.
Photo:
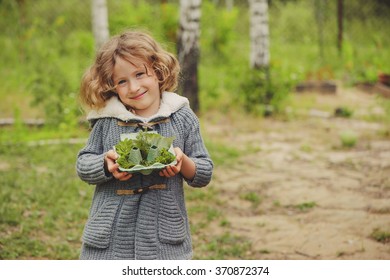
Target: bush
(264, 90)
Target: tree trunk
(188, 50)
(100, 22)
(340, 17)
(259, 34)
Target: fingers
(109, 159)
(172, 170)
(112, 155)
(179, 154)
(169, 171)
(122, 176)
(113, 167)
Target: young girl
(135, 216)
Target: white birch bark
(100, 22)
(189, 26)
(259, 34)
(188, 49)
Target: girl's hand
(172, 170)
(112, 167)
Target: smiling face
(137, 87)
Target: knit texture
(152, 225)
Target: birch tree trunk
(259, 34)
(99, 22)
(188, 50)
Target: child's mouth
(138, 96)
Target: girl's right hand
(113, 167)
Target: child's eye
(121, 82)
(140, 74)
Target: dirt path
(299, 194)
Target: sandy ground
(318, 200)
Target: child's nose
(134, 86)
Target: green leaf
(143, 142)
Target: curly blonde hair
(97, 85)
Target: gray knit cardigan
(151, 225)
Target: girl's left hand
(172, 170)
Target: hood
(170, 103)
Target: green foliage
(52, 90)
(296, 28)
(348, 138)
(46, 47)
(219, 38)
(144, 16)
(263, 91)
(285, 26)
(123, 149)
(165, 157)
(50, 56)
(226, 80)
(343, 112)
(143, 143)
(224, 55)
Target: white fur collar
(170, 103)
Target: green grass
(44, 205)
(381, 235)
(224, 246)
(252, 197)
(304, 206)
(222, 154)
(24, 134)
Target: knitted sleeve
(90, 160)
(195, 149)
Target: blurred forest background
(46, 46)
